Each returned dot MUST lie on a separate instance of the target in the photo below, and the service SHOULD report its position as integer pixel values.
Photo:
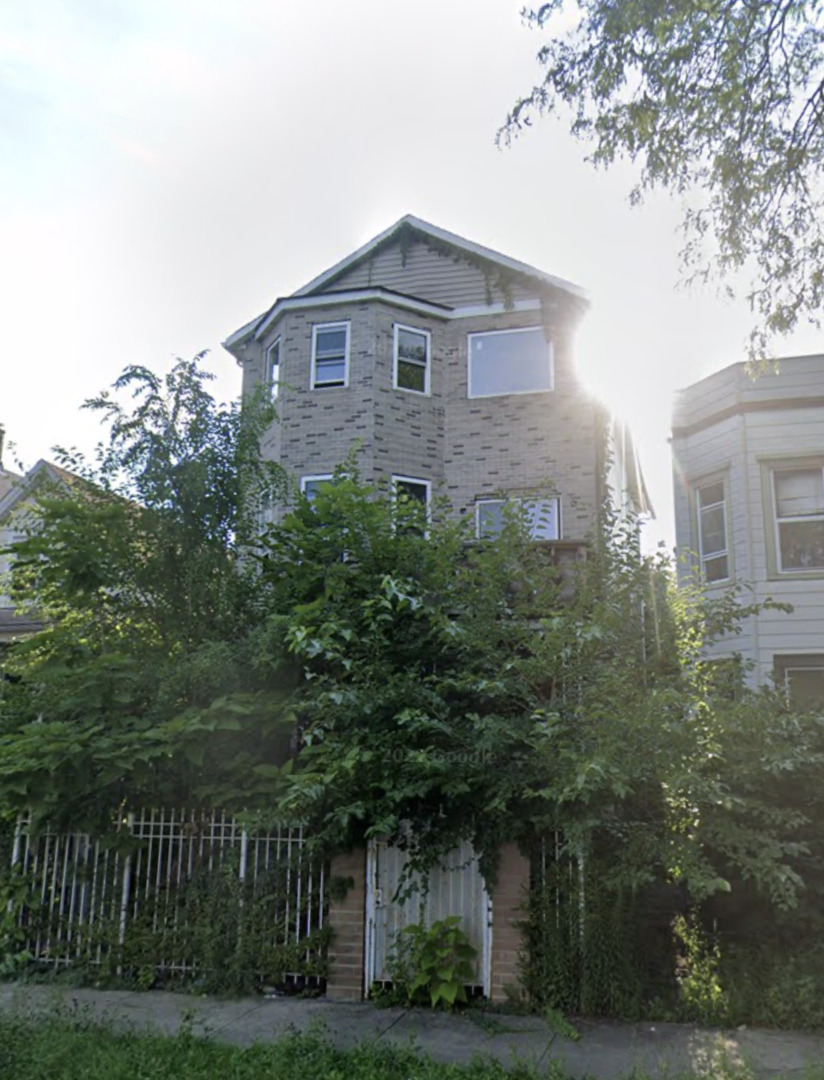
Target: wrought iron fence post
(124, 901)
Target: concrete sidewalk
(604, 1051)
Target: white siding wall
(729, 424)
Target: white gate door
(455, 888)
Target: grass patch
(74, 1047)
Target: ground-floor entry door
(454, 888)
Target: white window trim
(319, 328)
(702, 558)
(427, 366)
(396, 478)
(522, 499)
(270, 381)
(776, 521)
(508, 393)
(314, 478)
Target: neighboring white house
(18, 506)
(748, 456)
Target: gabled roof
(425, 229)
(23, 487)
(409, 223)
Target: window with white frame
(509, 362)
(542, 517)
(311, 485)
(330, 355)
(711, 514)
(411, 359)
(798, 510)
(802, 678)
(412, 488)
(272, 374)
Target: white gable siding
(424, 273)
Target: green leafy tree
(142, 685)
(722, 102)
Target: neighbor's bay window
(711, 511)
(798, 504)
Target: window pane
(330, 371)
(713, 531)
(509, 363)
(312, 487)
(712, 493)
(806, 686)
(411, 346)
(716, 569)
(802, 544)
(490, 519)
(799, 493)
(411, 376)
(542, 518)
(412, 490)
(330, 342)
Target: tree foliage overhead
(718, 100)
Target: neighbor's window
(411, 368)
(272, 375)
(542, 517)
(803, 679)
(798, 500)
(311, 485)
(711, 510)
(509, 362)
(330, 355)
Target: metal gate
(454, 888)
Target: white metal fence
(174, 890)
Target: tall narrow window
(273, 368)
(330, 355)
(711, 509)
(799, 518)
(412, 362)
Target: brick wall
(507, 902)
(347, 919)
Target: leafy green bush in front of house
(432, 965)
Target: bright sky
(168, 168)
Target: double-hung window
(542, 517)
(711, 513)
(330, 355)
(509, 362)
(411, 359)
(798, 510)
(272, 374)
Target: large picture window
(711, 511)
(330, 355)
(509, 362)
(542, 517)
(412, 359)
(798, 507)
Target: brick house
(450, 368)
(749, 500)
